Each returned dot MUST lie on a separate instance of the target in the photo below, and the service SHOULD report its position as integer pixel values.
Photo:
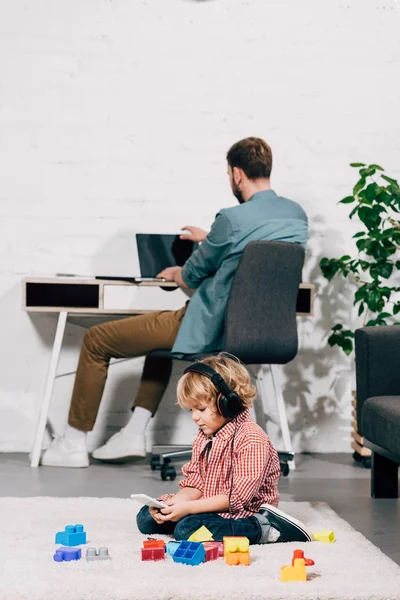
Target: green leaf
(359, 186)
(389, 179)
(337, 327)
(357, 164)
(360, 309)
(359, 234)
(396, 308)
(376, 167)
(347, 200)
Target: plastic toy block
(236, 544)
(100, 554)
(73, 535)
(154, 544)
(66, 554)
(300, 554)
(201, 535)
(296, 572)
(190, 553)
(212, 553)
(171, 547)
(219, 545)
(325, 535)
(237, 558)
(153, 553)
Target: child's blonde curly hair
(195, 389)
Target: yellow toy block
(238, 558)
(295, 573)
(201, 535)
(325, 535)
(236, 544)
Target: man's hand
(175, 511)
(169, 273)
(195, 233)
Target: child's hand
(155, 513)
(175, 511)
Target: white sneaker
(61, 453)
(122, 445)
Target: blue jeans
(254, 528)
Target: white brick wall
(115, 117)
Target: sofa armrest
(377, 363)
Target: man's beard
(237, 193)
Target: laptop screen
(156, 251)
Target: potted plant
(375, 201)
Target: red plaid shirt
(256, 468)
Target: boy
(231, 483)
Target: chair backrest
(260, 322)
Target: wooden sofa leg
(384, 477)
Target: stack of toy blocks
(190, 553)
(236, 550)
(297, 570)
(73, 535)
(153, 550)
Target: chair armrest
(377, 363)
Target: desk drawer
(143, 299)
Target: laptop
(156, 251)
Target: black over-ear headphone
(229, 404)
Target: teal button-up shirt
(210, 269)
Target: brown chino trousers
(124, 338)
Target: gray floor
(332, 478)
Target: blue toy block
(73, 535)
(172, 547)
(190, 553)
(67, 554)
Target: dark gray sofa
(378, 403)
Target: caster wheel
(155, 462)
(366, 462)
(168, 472)
(285, 469)
(357, 457)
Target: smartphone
(148, 500)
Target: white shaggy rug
(350, 569)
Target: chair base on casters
(161, 461)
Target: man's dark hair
(253, 156)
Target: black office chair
(260, 329)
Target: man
(197, 327)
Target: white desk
(93, 297)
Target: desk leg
(51, 375)
(280, 403)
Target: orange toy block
(154, 544)
(238, 558)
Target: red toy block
(154, 544)
(211, 553)
(219, 545)
(300, 554)
(153, 553)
